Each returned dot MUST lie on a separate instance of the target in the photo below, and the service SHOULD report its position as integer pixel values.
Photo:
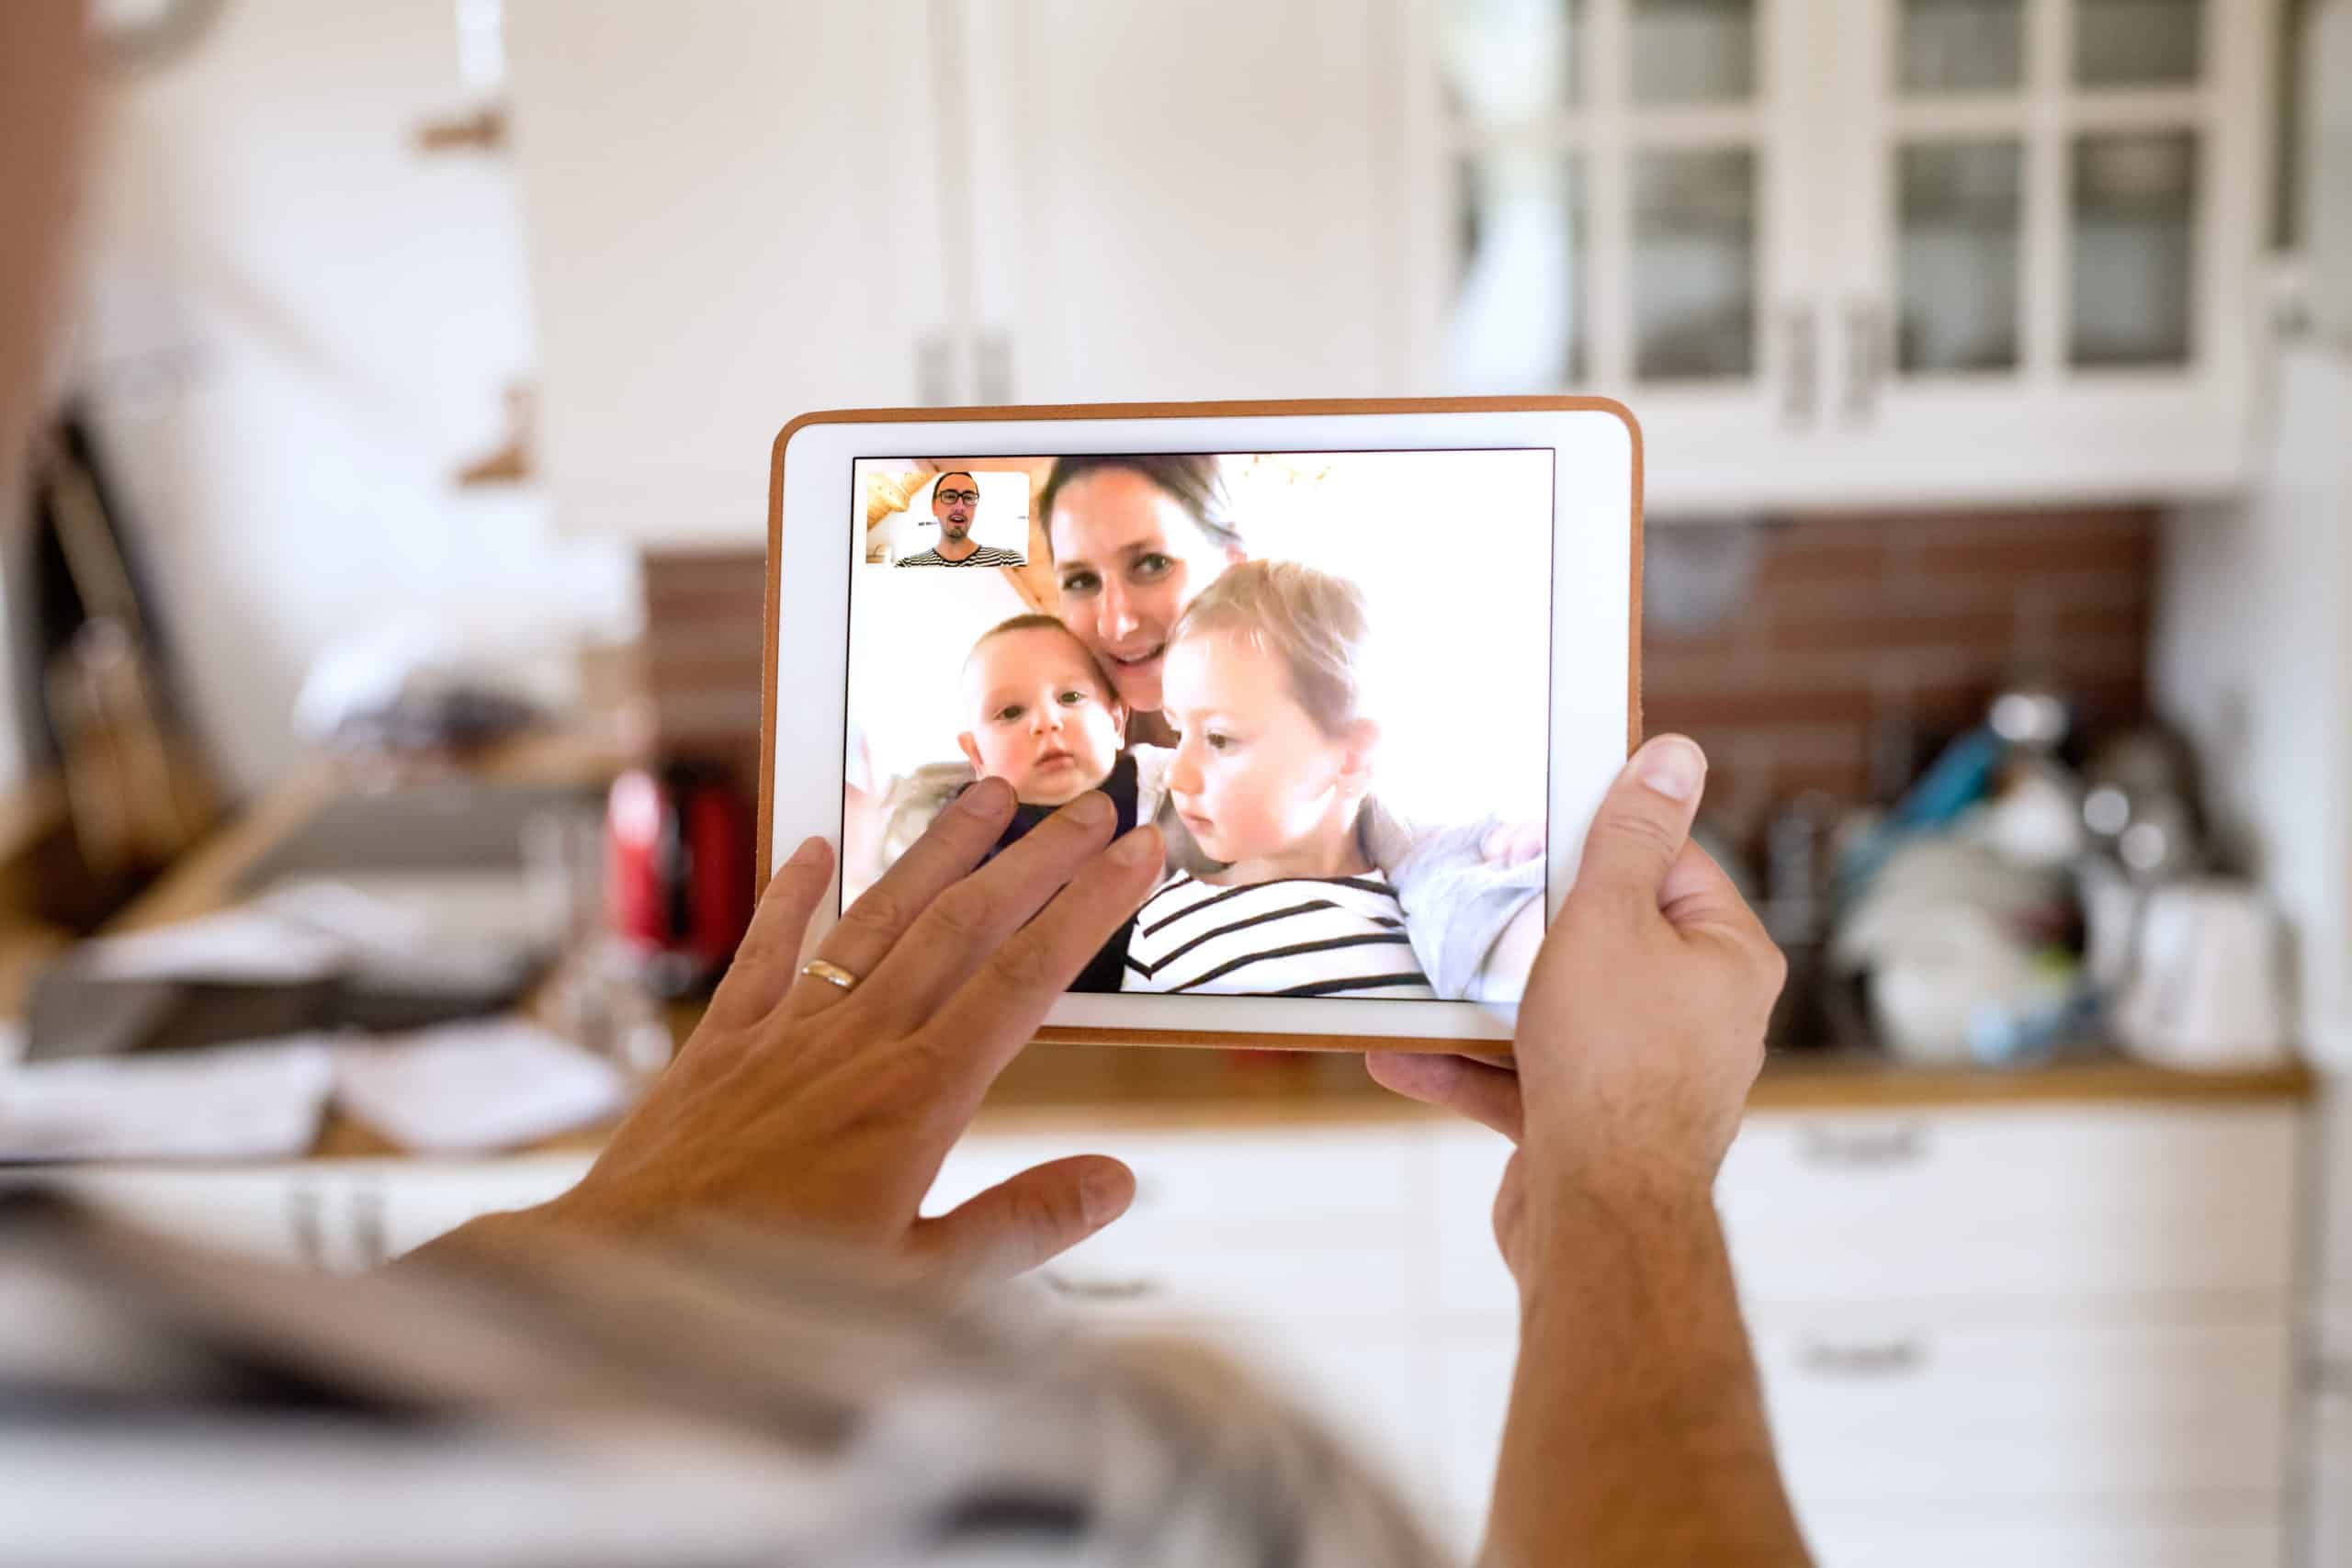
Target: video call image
(1325, 675)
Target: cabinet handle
(368, 1228)
(935, 370)
(1135, 1288)
(1906, 1142)
(1866, 359)
(306, 1215)
(1876, 1359)
(992, 368)
(1804, 396)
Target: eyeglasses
(952, 497)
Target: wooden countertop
(1070, 1086)
(1073, 1086)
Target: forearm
(1636, 1432)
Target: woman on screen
(1134, 540)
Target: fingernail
(1672, 766)
(1132, 848)
(1103, 1196)
(1092, 810)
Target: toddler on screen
(1272, 770)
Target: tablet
(1370, 665)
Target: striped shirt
(986, 554)
(1299, 936)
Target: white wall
(2252, 653)
(333, 316)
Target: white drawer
(416, 1201)
(2124, 1539)
(1471, 1276)
(1144, 1271)
(1287, 1225)
(274, 1212)
(2072, 1202)
(1869, 1410)
(1284, 1184)
(1869, 1413)
(340, 1215)
(2062, 1202)
(1474, 1373)
(2327, 1480)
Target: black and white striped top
(1300, 936)
(986, 554)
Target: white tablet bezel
(1594, 676)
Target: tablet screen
(1324, 674)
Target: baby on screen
(1272, 769)
(1045, 719)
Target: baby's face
(1254, 775)
(1040, 718)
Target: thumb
(1030, 1218)
(1643, 822)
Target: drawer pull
(1906, 1142)
(1135, 1288)
(1885, 1358)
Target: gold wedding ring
(831, 973)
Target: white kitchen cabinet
(339, 1216)
(1615, 195)
(737, 213)
(1852, 251)
(1831, 251)
(2062, 1334)
(1971, 1539)
(734, 214)
(2056, 1334)
(1177, 201)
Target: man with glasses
(956, 503)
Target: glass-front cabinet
(1611, 202)
(1852, 250)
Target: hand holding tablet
(1366, 666)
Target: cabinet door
(734, 217)
(1611, 196)
(2053, 209)
(1176, 201)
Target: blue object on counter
(1961, 776)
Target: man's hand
(799, 1106)
(1636, 1432)
(1642, 1025)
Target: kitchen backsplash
(1809, 653)
(1852, 646)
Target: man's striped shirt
(986, 554)
(1301, 936)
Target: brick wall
(1858, 645)
(1850, 647)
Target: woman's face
(1129, 557)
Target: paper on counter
(463, 1088)
(257, 1101)
(249, 945)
